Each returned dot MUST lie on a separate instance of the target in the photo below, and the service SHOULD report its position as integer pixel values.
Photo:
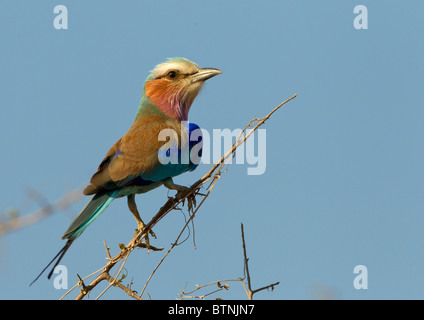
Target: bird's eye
(172, 74)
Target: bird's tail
(59, 257)
(92, 210)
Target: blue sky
(344, 180)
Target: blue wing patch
(176, 161)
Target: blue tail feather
(92, 210)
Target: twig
(16, 222)
(113, 281)
(107, 251)
(249, 290)
(222, 285)
(118, 284)
(246, 265)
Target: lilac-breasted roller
(133, 164)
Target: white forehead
(180, 64)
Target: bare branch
(15, 222)
(249, 290)
(224, 286)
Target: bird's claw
(141, 226)
(191, 198)
(181, 191)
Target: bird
(140, 161)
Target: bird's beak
(204, 74)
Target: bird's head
(173, 85)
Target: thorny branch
(222, 284)
(249, 290)
(12, 221)
(209, 179)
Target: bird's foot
(181, 191)
(140, 227)
(191, 198)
